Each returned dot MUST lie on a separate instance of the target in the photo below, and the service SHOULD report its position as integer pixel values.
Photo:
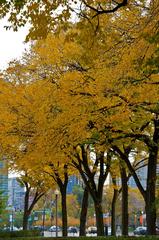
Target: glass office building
(3, 177)
(16, 194)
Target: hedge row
(78, 238)
(19, 234)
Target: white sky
(11, 44)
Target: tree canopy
(92, 85)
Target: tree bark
(64, 211)
(113, 208)
(62, 183)
(148, 194)
(95, 186)
(26, 206)
(25, 220)
(124, 201)
(99, 218)
(83, 216)
(151, 182)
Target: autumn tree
(141, 111)
(82, 194)
(35, 189)
(45, 16)
(88, 169)
(29, 131)
(60, 176)
(115, 95)
(89, 87)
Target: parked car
(92, 230)
(143, 230)
(7, 229)
(109, 231)
(53, 229)
(140, 230)
(41, 228)
(72, 230)
(157, 230)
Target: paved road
(53, 234)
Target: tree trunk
(150, 195)
(124, 202)
(26, 206)
(151, 182)
(63, 188)
(83, 215)
(150, 218)
(99, 218)
(25, 220)
(95, 188)
(113, 209)
(64, 211)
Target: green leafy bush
(22, 233)
(75, 238)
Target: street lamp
(56, 198)
(11, 219)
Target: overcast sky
(11, 44)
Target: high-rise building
(16, 194)
(73, 181)
(3, 177)
(142, 174)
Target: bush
(22, 233)
(75, 238)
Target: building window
(1, 165)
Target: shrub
(22, 233)
(75, 238)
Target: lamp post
(56, 204)
(135, 220)
(11, 219)
(142, 219)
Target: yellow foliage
(75, 78)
